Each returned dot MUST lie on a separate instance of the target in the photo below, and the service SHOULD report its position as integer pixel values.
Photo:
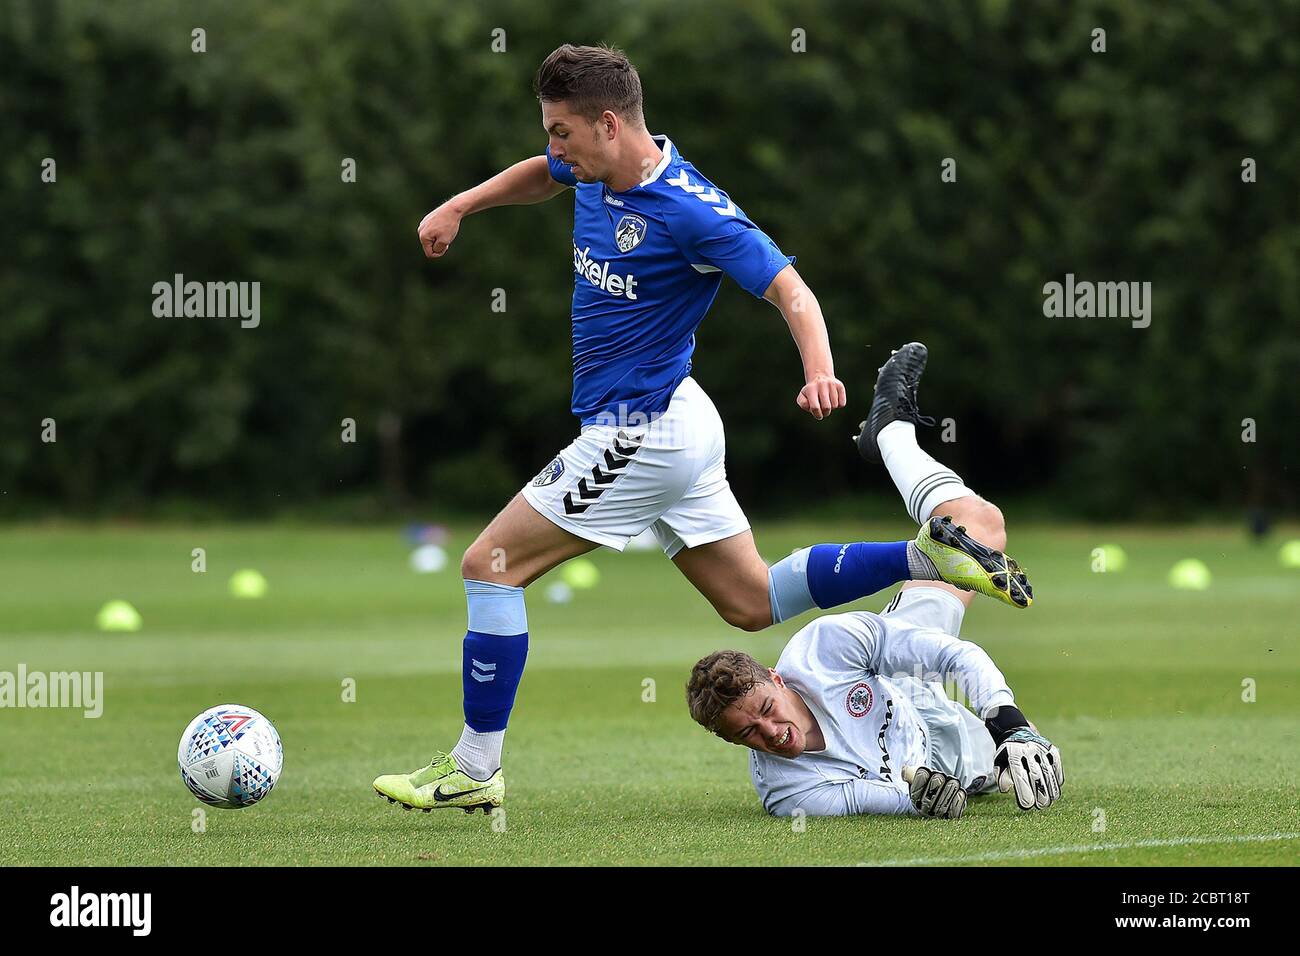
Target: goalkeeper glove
(935, 794)
(1025, 760)
(1030, 764)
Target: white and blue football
(230, 756)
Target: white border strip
(1087, 848)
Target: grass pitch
(1139, 684)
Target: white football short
(957, 741)
(927, 607)
(669, 474)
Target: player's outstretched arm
(847, 798)
(526, 182)
(1025, 760)
(903, 651)
(822, 391)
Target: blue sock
(495, 649)
(828, 575)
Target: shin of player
(928, 488)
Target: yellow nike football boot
(965, 563)
(442, 784)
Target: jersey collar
(667, 146)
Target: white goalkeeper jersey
(875, 683)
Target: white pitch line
(1087, 848)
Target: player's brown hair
(718, 681)
(591, 79)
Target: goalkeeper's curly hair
(718, 681)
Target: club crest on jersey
(629, 232)
(550, 474)
(858, 703)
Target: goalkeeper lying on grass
(855, 698)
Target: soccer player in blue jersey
(652, 239)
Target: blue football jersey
(647, 264)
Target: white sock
(479, 755)
(923, 482)
(919, 565)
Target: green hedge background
(225, 165)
